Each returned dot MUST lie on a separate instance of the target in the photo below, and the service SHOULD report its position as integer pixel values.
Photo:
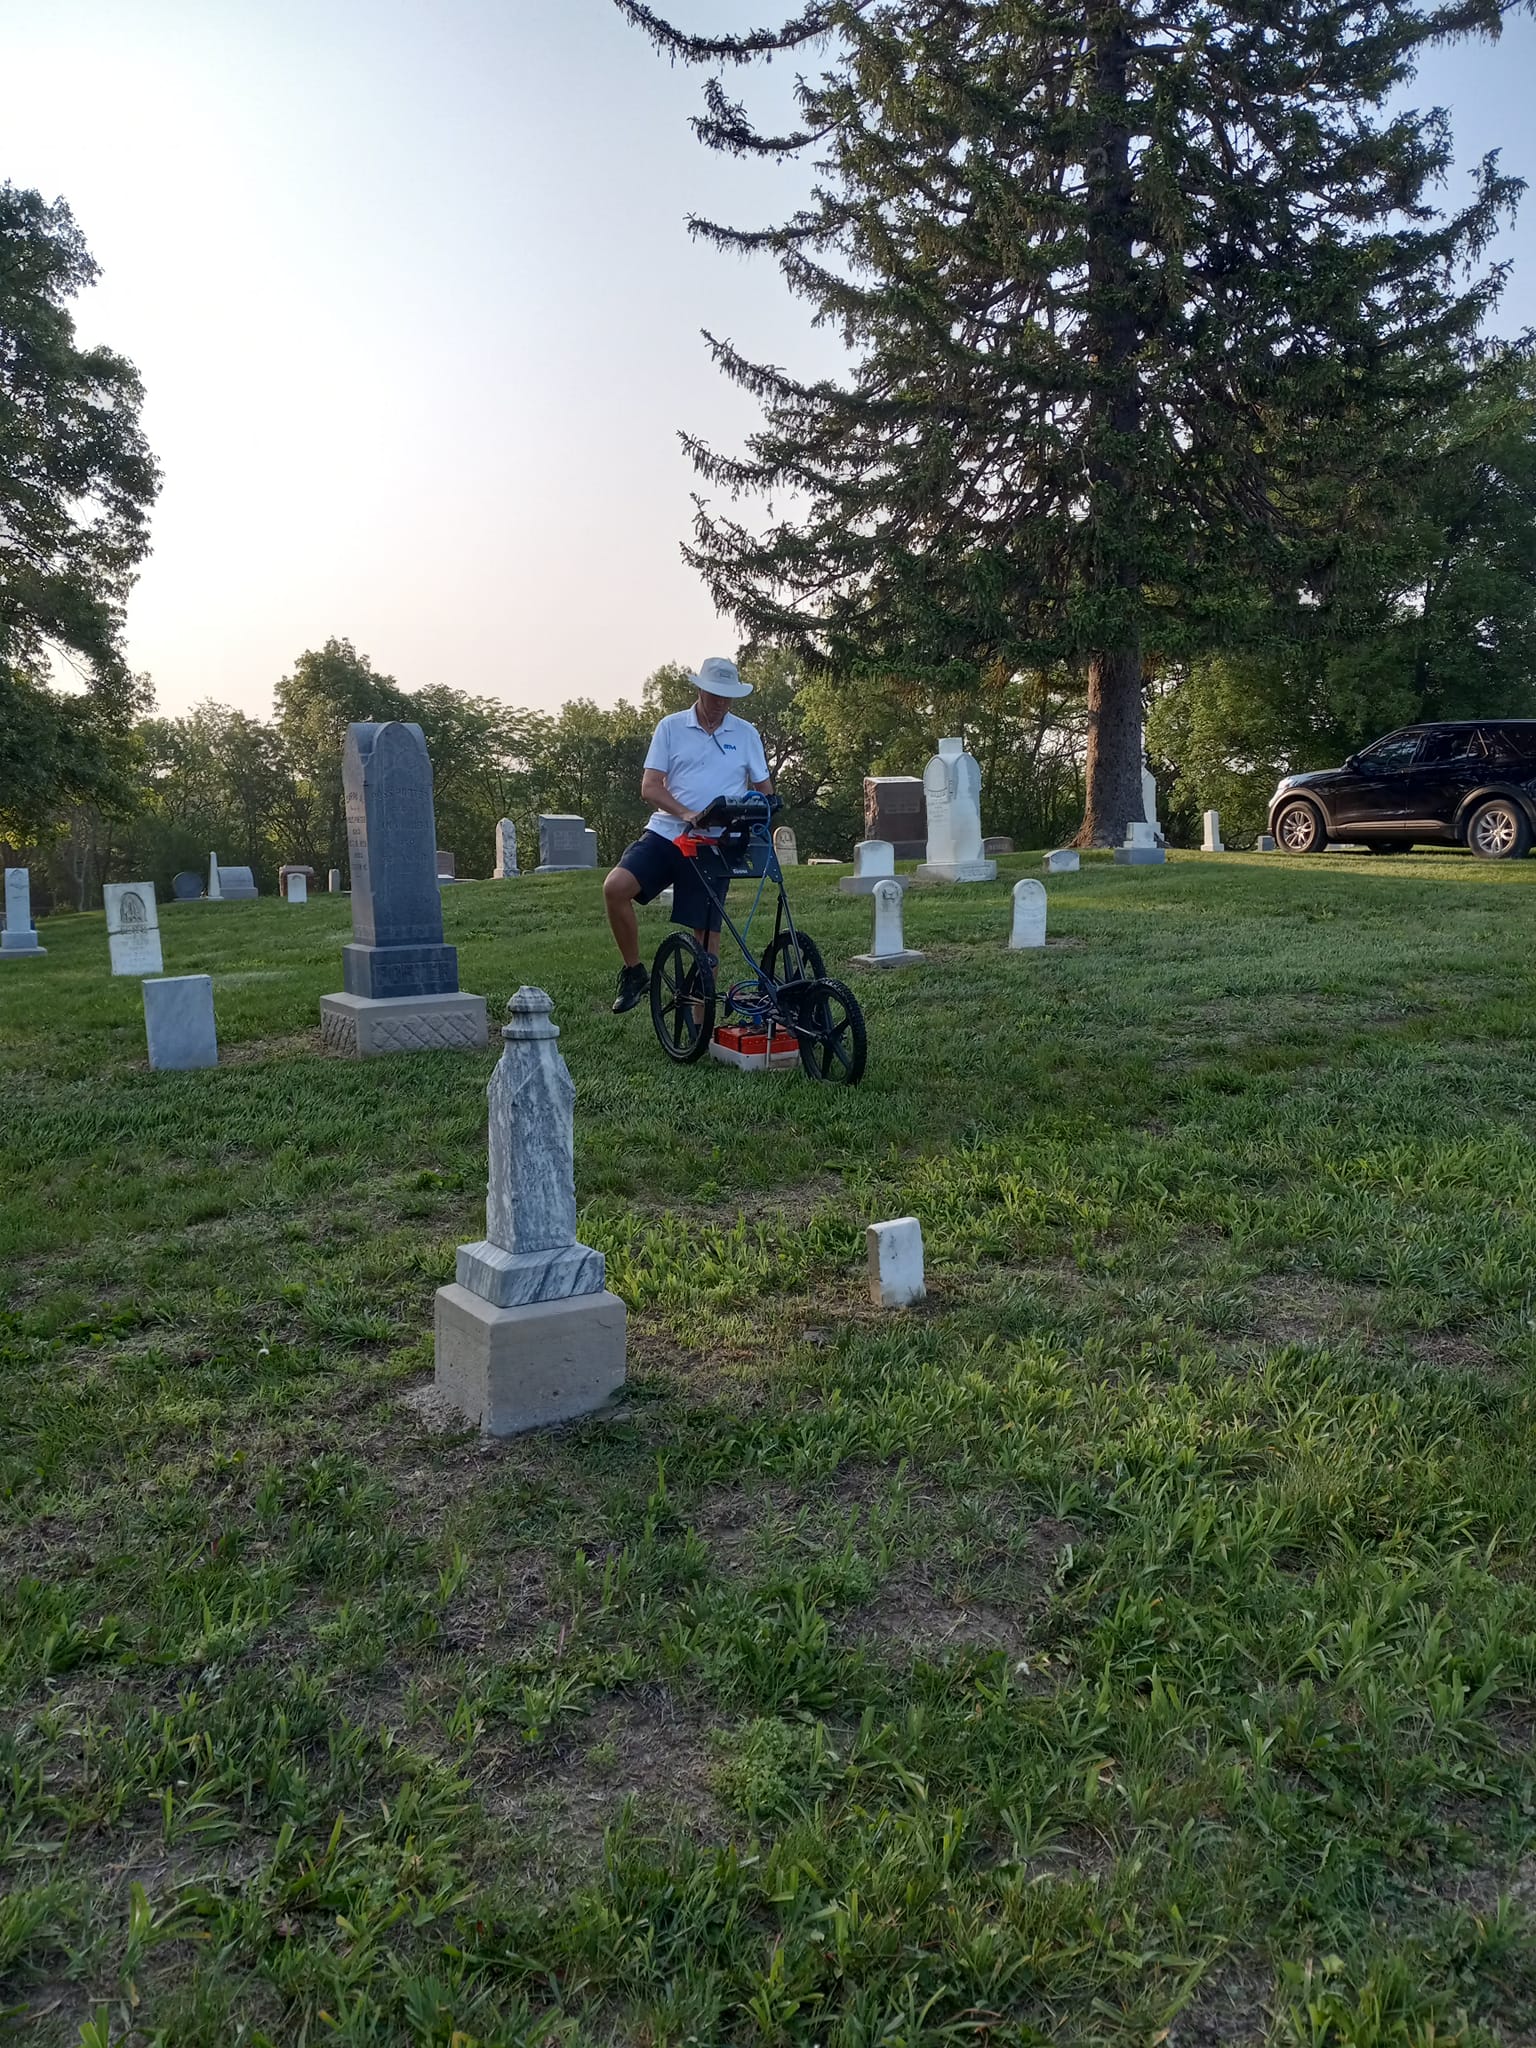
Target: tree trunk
(1113, 769)
(1113, 773)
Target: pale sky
(412, 296)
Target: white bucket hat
(721, 678)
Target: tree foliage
(76, 485)
(1135, 292)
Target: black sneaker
(633, 984)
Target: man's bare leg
(619, 893)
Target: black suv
(1468, 784)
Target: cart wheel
(780, 963)
(683, 997)
(833, 1044)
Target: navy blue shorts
(655, 862)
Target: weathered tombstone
(506, 850)
(401, 983)
(1141, 849)
(952, 786)
(1028, 917)
(286, 873)
(992, 847)
(894, 809)
(213, 878)
(186, 887)
(19, 940)
(874, 860)
(1149, 803)
(565, 844)
(890, 948)
(1211, 843)
(447, 866)
(298, 888)
(1062, 860)
(133, 927)
(237, 885)
(1266, 844)
(895, 1262)
(335, 881)
(528, 1334)
(178, 1021)
(784, 847)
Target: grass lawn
(1135, 1644)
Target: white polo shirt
(700, 765)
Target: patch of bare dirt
(1299, 1308)
(1230, 2008)
(641, 1746)
(914, 1614)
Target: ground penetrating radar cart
(787, 999)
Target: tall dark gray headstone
(397, 909)
(401, 982)
(895, 809)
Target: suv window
(1392, 755)
(1450, 743)
(1513, 746)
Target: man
(695, 756)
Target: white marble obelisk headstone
(952, 791)
(528, 1334)
(890, 948)
(215, 892)
(1211, 843)
(19, 940)
(506, 851)
(1028, 916)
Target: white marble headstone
(1062, 860)
(19, 939)
(506, 850)
(1212, 840)
(133, 927)
(298, 888)
(874, 857)
(1028, 916)
(215, 893)
(895, 1252)
(890, 947)
(784, 846)
(952, 792)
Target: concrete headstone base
(1140, 856)
(20, 946)
(866, 885)
(511, 1369)
(905, 958)
(962, 871)
(368, 1025)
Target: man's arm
(654, 791)
(764, 788)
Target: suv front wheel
(1498, 830)
(1299, 827)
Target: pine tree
(1121, 282)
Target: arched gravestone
(186, 886)
(401, 990)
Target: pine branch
(819, 20)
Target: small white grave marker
(890, 948)
(335, 880)
(1062, 860)
(19, 940)
(178, 1019)
(784, 846)
(133, 927)
(1266, 844)
(1212, 840)
(874, 860)
(1028, 916)
(298, 888)
(895, 1262)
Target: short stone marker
(874, 860)
(186, 887)
(895, 1262)
(447, 866)
(890, 948)
(298, 888)
(401, 990)
(335, 881)
(992, 847)
(236, 885)
(214, 891)
(19, 940)
(178, 1020)
(784, 847)
(895, 809)
(1149, 802)
(1062, 860)
(1211, 842)
(565, 844)
(1028, 917)
(952, 787)
(133, 927)
(1266, 844)
(287, 872)
(506, 851)
(528, 1335)
(1141, 849)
